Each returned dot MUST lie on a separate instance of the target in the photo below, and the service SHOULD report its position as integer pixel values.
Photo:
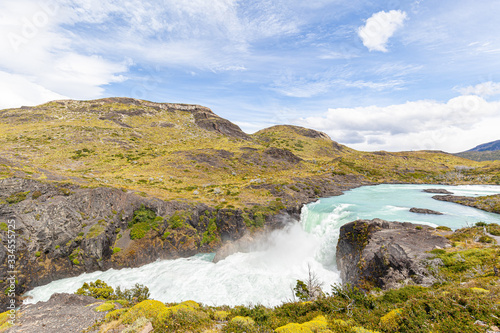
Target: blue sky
(375, 75)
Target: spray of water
(264, 276)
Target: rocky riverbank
(489, 203)
(63, 230)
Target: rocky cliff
(378, 253)
(65, 230)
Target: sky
(374, 75)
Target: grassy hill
(480, 156)
(179, 151)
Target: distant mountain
(490, 146)
(486, 152)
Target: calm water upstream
(267, 276)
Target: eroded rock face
(386, 254)
(65, 230)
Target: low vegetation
(157, 150)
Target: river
(268, 275)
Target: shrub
(98, 289)
(220, 315)
(176, 220)
(149, 309)
(486, 239)
(181, 318)
(143, 220)
(390, 321)
(137, 294)
(493, 229)
(401, 295)
(5, 320)
(241, 324)
(442, 227)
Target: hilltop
(179, 151)
(494, 145)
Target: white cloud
(37, 51)
(16, 90)
(483, 89)
(423, 124)
(304, 87)
(379, 28)
(77, 47)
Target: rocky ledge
(424, 211)
(61, 313)
(489, 203)
(437, 191)
(378, 253)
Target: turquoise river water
(267, 276)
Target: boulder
(437, 191)
(378, 253)
(425, 211)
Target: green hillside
(179, 151)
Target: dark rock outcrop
(424, 211)
(61, 313)
(384, 254)
(65, 230)
(282, 154)
(437, 191)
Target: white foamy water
(262, 277)
(267, 276)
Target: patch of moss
(4, 226)
(17, 197)
(95, 230)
